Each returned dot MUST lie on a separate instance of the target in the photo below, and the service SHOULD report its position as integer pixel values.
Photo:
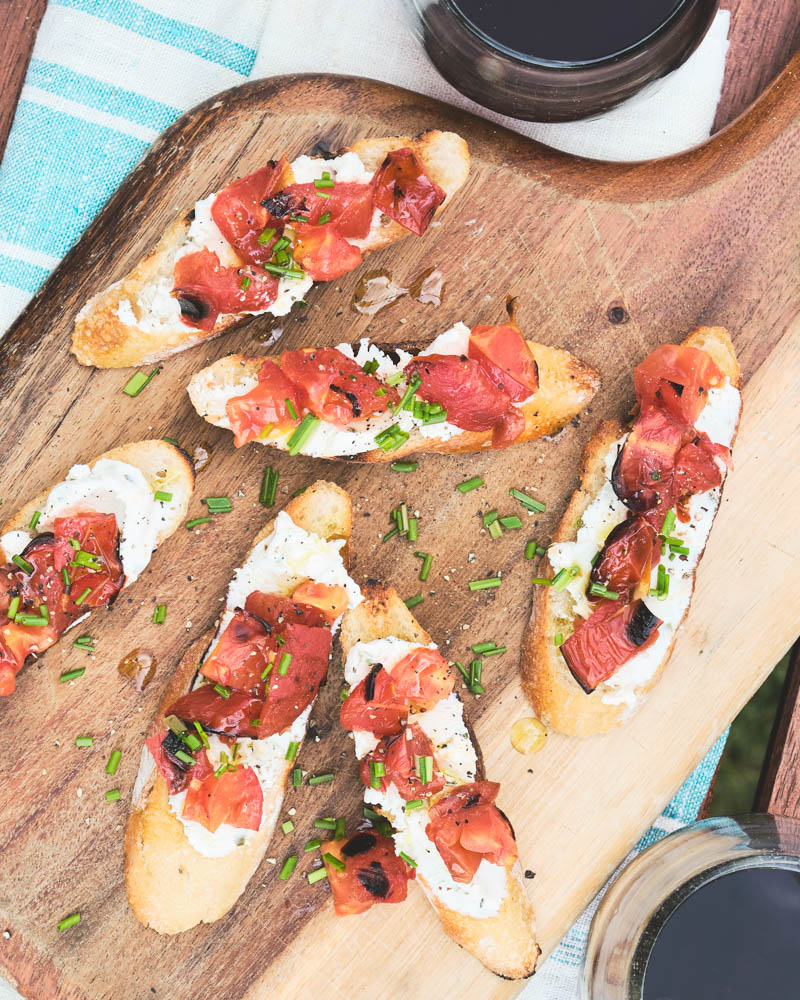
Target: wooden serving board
(608, 261)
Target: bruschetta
(423, 773)
(76, 545)
(215, 763)
(258, 245)
(616, 582)
(467, 390)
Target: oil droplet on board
(138, 668)
(377, 290)
(201, 456)
(428, 287)
(267, 331)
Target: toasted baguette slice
(556, 696)
(505, 942)
(171, 887)
(104, 338)
(566, 385)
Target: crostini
(423, 773)
(466, 391)
(75, 546)
(215, 763)
(258, 245)
(617, 580)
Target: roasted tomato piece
(9, 668)
(642, 473)
(43, 586)
(323, 254)
(333, 387)
(265, 406)
(176, 771)
(372, 873)
(463, 387)
(676, 378)
(405, 193)
(348, 205)
(241, 216)
(205, 289)
(507, 359)
(235, 798)
(17, 643)
(291, 693)
(276, 611)
(373, 705)
(467, 827)
(696, 467)
(399, 755)
(607, 639)
(97, 536)
(422, 678)
(332, 601)
(241, 654)
(236, 715)
(629, 552)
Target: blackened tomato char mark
(629, 552)
(374, 879)
(405, 193)
(372, 873)
(215, 290)
(359, 844)
(607, 639)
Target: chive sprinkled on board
(317, 875)
(84, 741)
(70, 921)
(470, 484)
(139, 381)
(113, 795)
(487, 584)
(291, 750)
(160, 614)
(72, 675)
(289, 866)
(321, 779)
(269, 487)
(412, 602)
(197, 520)
(529, 502)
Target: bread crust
(557, 699)
(103, 339)
(170, 886)
(505, 942)
(566, 384)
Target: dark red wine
(569, 31)
(735, 938)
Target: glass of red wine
(711, 912)
(549, 62)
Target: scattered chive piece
(265, 236)
(463, 670)
(291, 750)
(269, 487)
(112, 795)
(324, 219)
(424, 768)
(202, 733)
(477, 688)
(283, 666)
(266, 672)
(341, 828)
(412, 602)
(113, 762)
(297, 777)
(163, 496)
(71, 675)
(475, 672)
(403, 519)
(408, 395)
(218, 505)
(414, 804)
(33, 620)
(87, 559)
(302, 433)
(316, 876)
(413, 529)
(496, 651)
(288, 826)
(23, 564)
(84, 741)
(495, 530)
(324, 182)
(70, 921)
(222, 690)
(427, 562)
(560, 580)
(405, 466)
(13, 606)
(137, 382)
(192, 741)
(291, 409)
(369, 367)
(541, 581)
(600, 590)
(380, 391)
(395, 378)
(313, 844)
(470, 484)
(391, 534)
(265, 432)
(321, 779)
(489, 517)
(511, 523)
(325, 823)
(484, 647)
(669, 522)
(343, 694)
(171, 441)
(34, 520)
(284, 272)
(197, 520)
(331, 859)
(492, 581)
(74, 543)
(65, 578)
(558, 639)
(377, 770)
(244, 284)
(289, 866)
(160, 614)
(408, 860)
(529, 502)
(391, 438)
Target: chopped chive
(222, 690)
(23, 564)
(266, 672)
(408, 395)
(600, 590)
(113, 762)
(265, 236)
(403, 519)
(681, 550)
(74, 543)
(84, 642)
(325, 182)
(71, 675)
(497, 651)
(470, 484)
(291, 409)
(427, 562)
(269, 487)
(284, 272)
(171, 441)
(160, 614)
(291, 750)
(244, 284)
(324, 219)
(321, 779)
(463, 670)
(413, 529)
(477, 688)
(265, 432)
(282, 243)
(434, 418)
(391, 438)
(380, 391)
(529, 502)
(65, 578)
(408, 860)
(541, 581)
(561, 579)
(424, 768)
(404, 466)
(313, 844)
(113, 795)
(484, 647)
(414, 804)
(218, 505)
(283, 665)
(343, 694)
(335, 862)
(33, 620)
(369, 367)
(317, 876)
(390, 534)
(377, 770)
(289, 866)
(86, 559)
(70, 921)
(325, 823)
(197, 520)
(669, 522)
(489, 517)
(558, 639)
(34, 520)
(489, 582)
(202, 734)
(511, 523)
(192, 741)
(341, 828)
(302, 433)
(297, 777)
(162, 496)
(84, 741)
(495, 531)
(137, 382)
(394, 379)
(288, 826)
(13, 606)
(412, 602)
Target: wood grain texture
(708, 237)
(779, 785)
